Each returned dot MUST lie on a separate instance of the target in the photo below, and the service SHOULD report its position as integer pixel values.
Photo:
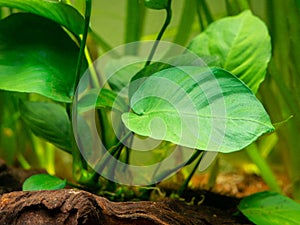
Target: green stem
(200, 19)
(134, 24)
(160, 34)
(88, 11)
(186, 22)
(100, 165)
(79, 164)
(244, 4)
(264, 168)
(191, 160)
(188, 179)
(208, 15)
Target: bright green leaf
(242, 44)
(198, 108)
(186, 59)
(40, 182)
(48, 121)
(57, 11)
(157, 4)
(105, 99)
(37, 56)
(269, 208)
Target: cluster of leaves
(39, 56)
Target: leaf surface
(37, 56)
(241, 43)
(48, 121)
(40, 182)
(270, 208)
(57, 11)
(198, 108)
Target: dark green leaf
(242, 44)
(156, 4)
(198, 108)
(269, 208)
(40, 182)
(37, 56)
(49, 121)
(57, 11)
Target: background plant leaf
(121, 70)
(40, 182)
(242, 44)
(197, 108)
(270, 208)
(37, 56)
(103, 99)
(48, 121)
(57, 11)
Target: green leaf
(57, 11)
(37, 56)
(242, 44)
(156, 4)
(105, 99)
(120, 71)
(49, 121)
(198, 108)
(269, 208)
(143, 74)
(40, 182)
(186, 59)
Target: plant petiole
(160, 34)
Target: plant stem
(134, 23)
(100, 165)
(160, 34)
(88, 11)
(79, 164)
(186, 22)
(208, 15)
(191, 160)
(200, 19)
(262, 165)
(188, 179)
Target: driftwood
(79, 207)
(71, 206)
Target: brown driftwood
(11, 179)
(79, 207)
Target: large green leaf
(48, 121)
(269, 208)
(37, 56)
(186, 59)
(198, 108)
(57, 11)
(241, 42)
(40, 182)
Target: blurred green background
(119, 21)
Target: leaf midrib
(203, 116)
(233, 43)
